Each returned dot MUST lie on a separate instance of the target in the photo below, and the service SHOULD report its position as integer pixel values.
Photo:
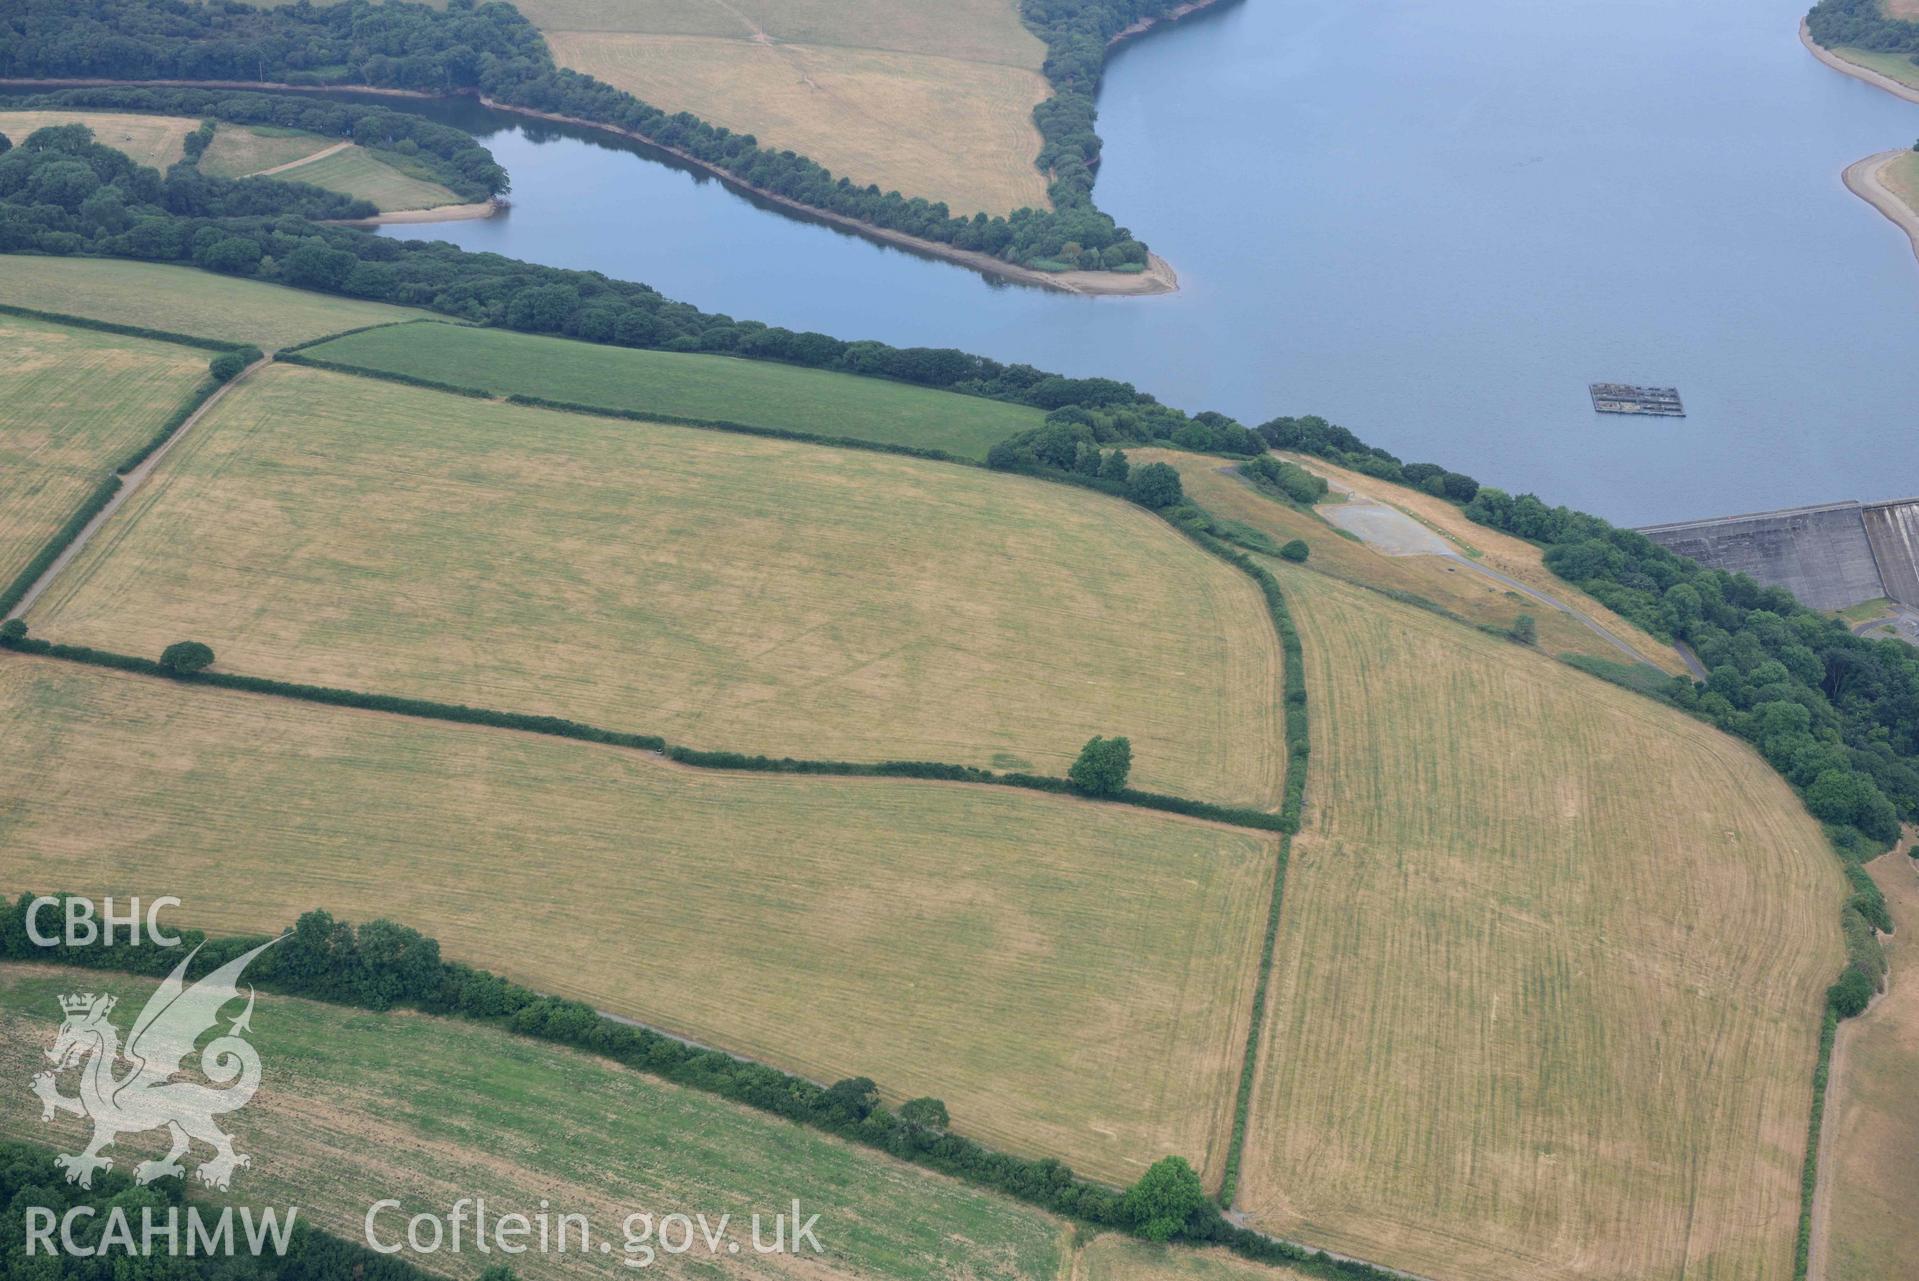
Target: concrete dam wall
(1829, 557)
(1893, 531)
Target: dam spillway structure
(1628, 398)
(1829, 557)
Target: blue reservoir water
(1432, 223)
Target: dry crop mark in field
(1091, 1005)
(1529, 921)
(991, 614)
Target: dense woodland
(449, 156)
(28, 1178)
(62, 192)
(493, 50)
(1861, 24)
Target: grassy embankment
(1550, 972)
(1901, 177)
(928, 100)
(239, 150)
(722, 590)
(1072, 979)
(358, 1107)
(1216, 486)
(1875, 1126)
(688, 385)
(73, 402)
(182, 300)
(1894, 66)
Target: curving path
(128, 483)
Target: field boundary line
(1174, 807)
(517, 1010)
(1815, 1138)
(299, 356)
(108, 499)
(128, 331)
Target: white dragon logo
(148, 1097)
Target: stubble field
(154, 141)
(184, 301)
(73, 402)
(355, 1108)
(1548, 982)
(932, 100)
(725, 591)
(1072, 979)
(1871, 1117)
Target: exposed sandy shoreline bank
(1853, 69)
(1158, 278)
(1862, 179)
(1147, 24)
(439, 213)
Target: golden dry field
(73, 403)
(928, 99)
(1072, 979)
(728, 592)
(1514, 557)
(1548, 983)
(1872, 1116)
(155, 141)
(1215, 485)
(1118, 1258)
(356, 1107)
(182, 300)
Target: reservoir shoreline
(1853, 69)
(1862, 180)
(1158, 278)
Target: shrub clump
(183, 658)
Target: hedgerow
(381, 965)
(112, 327)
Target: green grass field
(357, 1107)
(1548, 982)
(1897, 66)
(686, 385)
(185, 301)
(359, 172)
(722, 590)
(1072, 979)
(73, 402)
(237, 150)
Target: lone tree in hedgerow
(925, 1113)
(1165, 1199)
(183, 658)
(1102, 766)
